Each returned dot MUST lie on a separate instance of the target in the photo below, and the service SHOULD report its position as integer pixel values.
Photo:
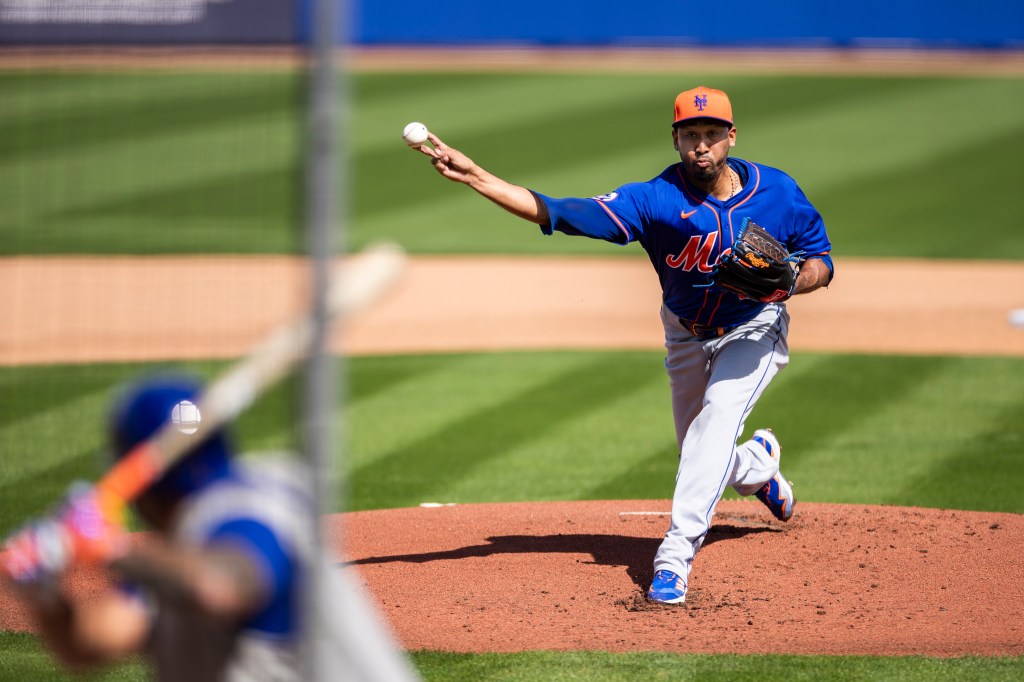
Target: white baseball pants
(715, 384)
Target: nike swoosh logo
(684, 215)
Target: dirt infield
(525, 58)
(838, 579)
(166, 308)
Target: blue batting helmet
(149, 404)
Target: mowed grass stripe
(218, 208)
(27, 391)
(431, 465)
(162, 107)
(888, 160)
(565, 666)
(883, 159)
(648, 474)
(594, 137)
(922, 208)
(568, 137)
(162, 161)
(25, 657)
(857, 429)
(33, 495)
(28, 96)
(44, 440)
(398, 401)
(504, 233)
(180, 164)
(869, 129)
(583, 450)
(976, 444)
(474, 106)
(63, 437)
(982, 474)
(886, 429)
(568, 425)
(820, 400)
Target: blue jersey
(262, 509)
(685, 231)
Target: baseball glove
(758, 267)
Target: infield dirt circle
(837, 579)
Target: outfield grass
(53, 427)
(165, 162)
(933, 432)
(917, 431)
(928, 431)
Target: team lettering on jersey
(696, 254)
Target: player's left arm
(811, 240)
(814, 274)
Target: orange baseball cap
(703, 102)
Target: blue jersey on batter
(685, 231)
(260, 509)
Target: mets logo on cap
(703, 102)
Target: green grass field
(913, 431)
(156, 162)
(189, 163)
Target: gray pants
(715, 383)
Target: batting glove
(38, 551)
(78, 531)
(93, 536)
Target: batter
(722, 349)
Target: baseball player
(724, 342)
(220, 590)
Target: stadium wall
(943, 24)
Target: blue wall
(808, 23)
(914, 23)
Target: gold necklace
(732, 182)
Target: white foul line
(645, 513)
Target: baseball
(1016, 318)
(186, 417)
(415, 134)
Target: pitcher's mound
(837, 579)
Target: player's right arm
(86, 633)
(572, 216)
(457, 167)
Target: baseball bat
(364, 278)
